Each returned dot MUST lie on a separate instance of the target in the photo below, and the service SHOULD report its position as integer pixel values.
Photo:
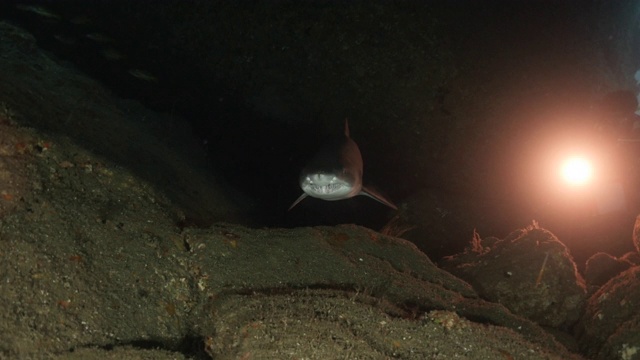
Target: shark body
(335, 173)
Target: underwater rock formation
(530, 272)
(609, 327)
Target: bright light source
(577, 171)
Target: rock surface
(530, 272)
(609, 327)
(601, 267)
(636, 234)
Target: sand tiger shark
(336, 173)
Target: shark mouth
(327, 187)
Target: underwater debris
(544, 264)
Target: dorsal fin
(346, 127)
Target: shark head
(336, 173)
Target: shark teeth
(326, 189)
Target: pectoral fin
(375, 196)
(304, 195)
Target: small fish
(336, 173)
(99, 38)
(80, 20)
(38, 10)
(64, 39)
(112, 54)
(142, 75)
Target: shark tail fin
(304, 195)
